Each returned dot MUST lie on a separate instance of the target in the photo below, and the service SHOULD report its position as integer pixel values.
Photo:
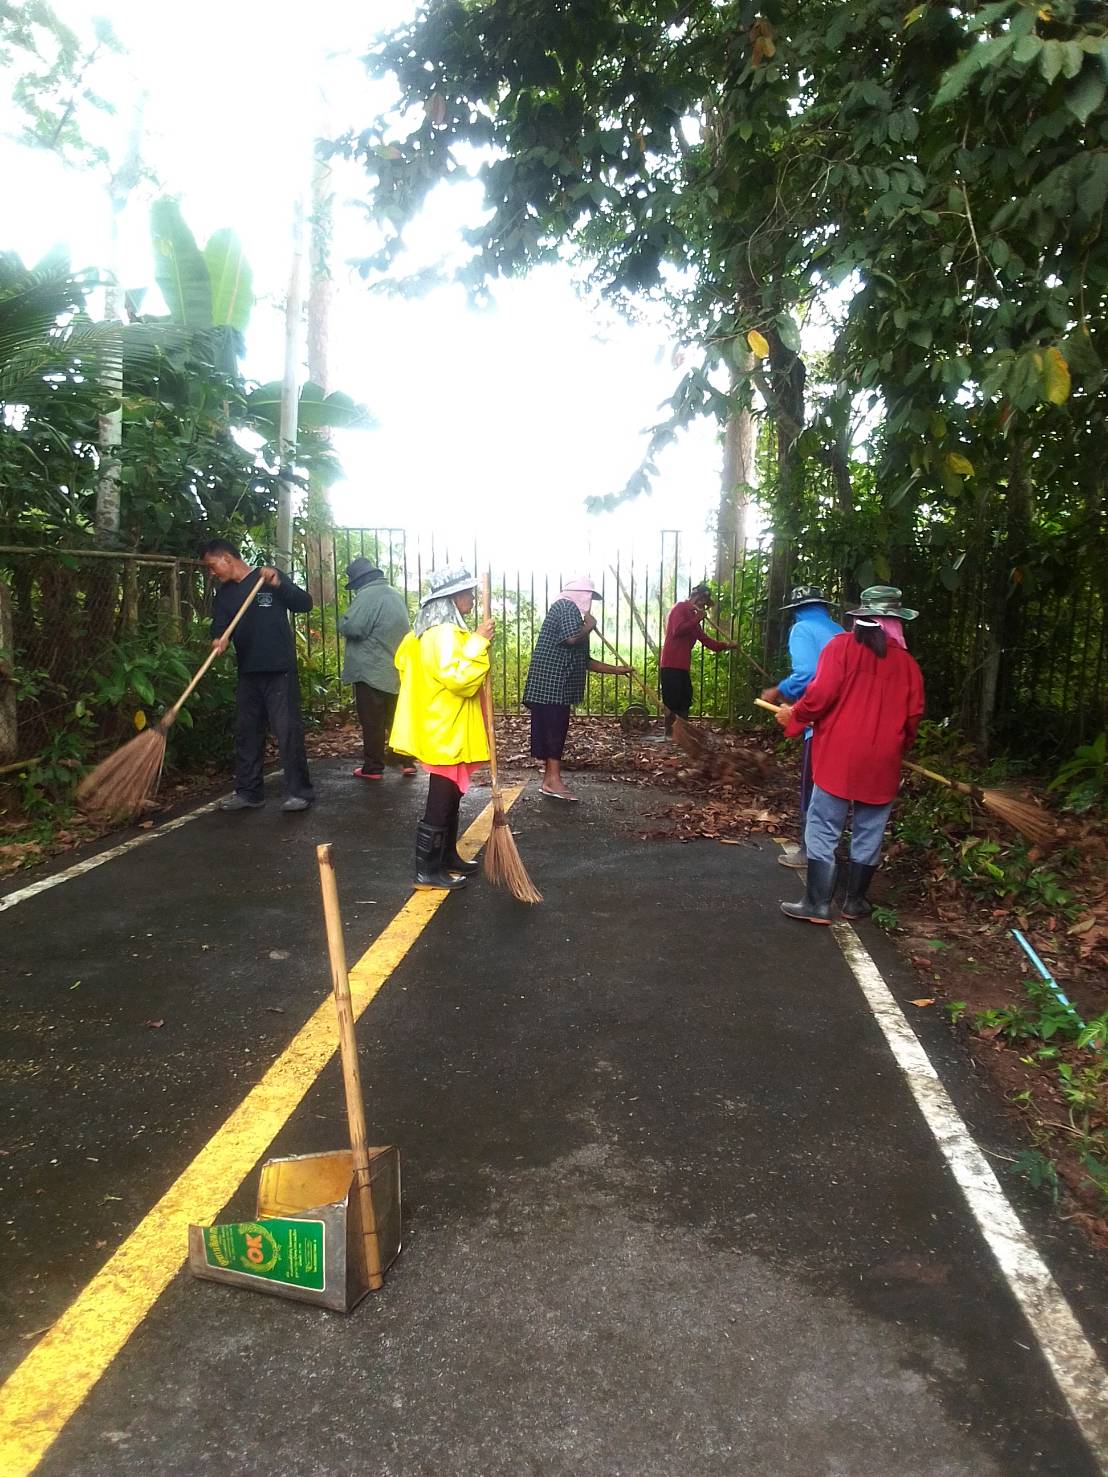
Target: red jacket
(683, 631)
(865, 710)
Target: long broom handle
(171, 713)
(490, 721)
(730, 637)
(651, 697)
(351, 1078)
(940, 779)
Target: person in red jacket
(865, 704)
(684, 628)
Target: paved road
(669, 1202)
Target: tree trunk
(319, 552)
(110, 435)
(1018, 512)
(788, 410)
(737, 483)
(290, 391)
(9, 728)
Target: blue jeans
(826, 818)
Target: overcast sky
(493, 423)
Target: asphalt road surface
(669, 1202)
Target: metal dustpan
(328, 1225)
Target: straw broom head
(687, 738)
(1024, 816)
(119, 787)
(503, 864)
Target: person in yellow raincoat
(439, 719)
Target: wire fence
(78, 625)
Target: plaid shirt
(558, 672)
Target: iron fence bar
(616, 681)
(336, 597)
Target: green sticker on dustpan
(289, 1252)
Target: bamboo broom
(683, 732)
(1024, 816)
(503, 864)
(121, 784)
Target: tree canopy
(918, 190)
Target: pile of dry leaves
(730, 787)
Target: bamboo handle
(486, 691)
(744, 654)
(650, 696)
(351, 1079)
(171, 713)
(941, 779)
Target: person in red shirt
(684, 629)
(865, 704)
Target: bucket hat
(449, 581)
(884, 600)
(805, 595)
(359, 569)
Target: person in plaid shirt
(560, 664)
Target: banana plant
(317, 410)
(210, 292)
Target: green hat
(884, 600)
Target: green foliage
(54, 67)
(932, 189)
(886, 918)
(179, 267)
(1084, 777)
(1039, 1172)
(1078, 1057)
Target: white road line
(44, 884)
(1072, 1359)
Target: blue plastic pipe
(1046, 974)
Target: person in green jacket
(374, 625)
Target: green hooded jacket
(374, 626)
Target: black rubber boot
(857, 885)
(428, 865)
(816, 907)
(451, 861)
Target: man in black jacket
(268, 687)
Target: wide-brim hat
(805, 595)
(450, 581)
(582, 585)
(883, 600)
(359, 569)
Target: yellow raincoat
(438, 713)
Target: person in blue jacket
(812, 629)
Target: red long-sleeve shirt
(683, 631)
(865, 710)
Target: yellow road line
(44, 1391)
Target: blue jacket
(812, 629)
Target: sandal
(553, 795)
